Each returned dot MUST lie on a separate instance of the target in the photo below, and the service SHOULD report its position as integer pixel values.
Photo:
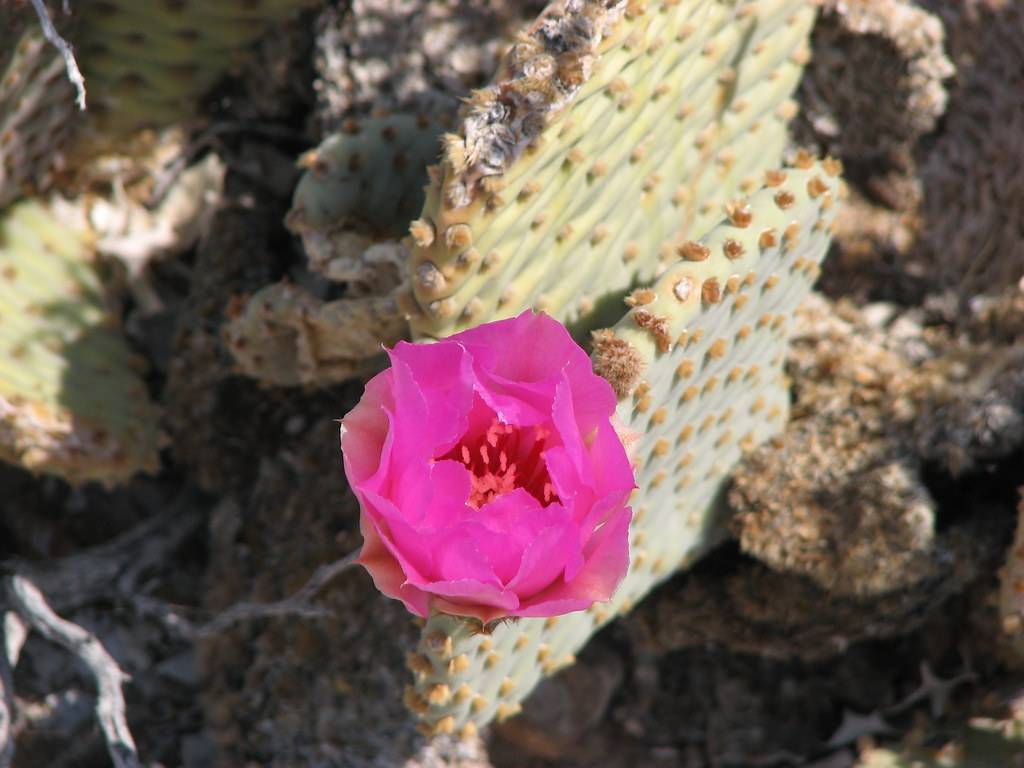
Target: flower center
(504, 458)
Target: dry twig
(62, 46)
(116, 567)
(297, 604)
(30, 603)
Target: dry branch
(298, 604)
(6, 712)
(13, 633)
(62, 46)
(30, 603)
(87, 577)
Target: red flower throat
(504, 458)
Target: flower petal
(528, 348)
(460, 607)
(386, 572)
(613, 471)
(563, 415)
(457, 557)
(606, 559)
(565, 477)
(395, 534)
(365, 428)
(450, 485)
(410, 422)
(519, 386)
(442, 375)
(516, 519)
(553, 552)
(601, 510)
(470, 591)
(593, 398)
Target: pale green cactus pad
(697, 366)
(37, 104)
(368, 176)
(147, 63)
(361, 184)
(72, 400)
(612, 132)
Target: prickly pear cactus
(148, 63)
(697, 366)
(72, 401)
(362, 183)
(37, 104)
(613, 131)
(370, 176)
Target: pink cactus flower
(490, 478)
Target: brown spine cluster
(539, 77)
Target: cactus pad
(369, 176)
(697, 366)
(37, 104)
(366, 180)
(612, 132)
(148, 63)
(72, 401)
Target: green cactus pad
(697, 366)
(72, 401)
(368, 176)
(37, 104)
(613, 131)
(147, 63)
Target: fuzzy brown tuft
(617, 361)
